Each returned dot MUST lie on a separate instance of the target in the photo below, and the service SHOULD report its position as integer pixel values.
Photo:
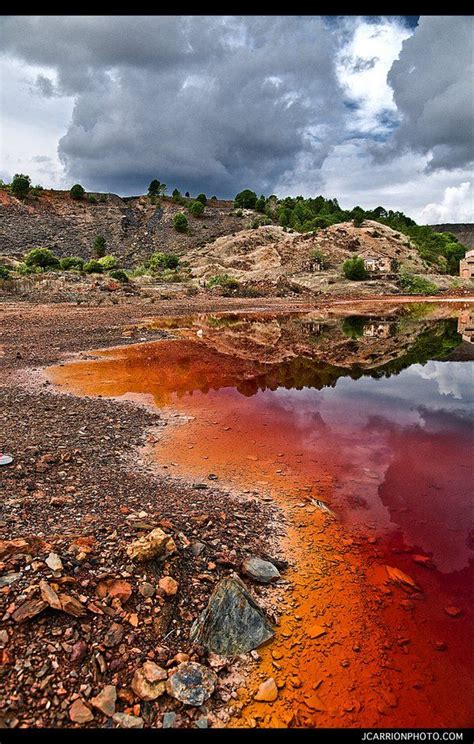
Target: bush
(245, 199)
(413, 284)
(20, 185)
(260, 204)
(239, 213)
(72, 262)
(180, 222)
(108, 262)
(160, 261)
(354, 268)
(41, 258)
(93, 267)
(92, 199)
(202, 198)
(196, 208)
(223, 280)
(320, 258)
(99, 246)
(213, 198)
(119, 275)
(77, 191)
(358, 220)
(4, 272)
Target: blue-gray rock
(232, 622)
(169, 719)
(259, 570)
(191, 683)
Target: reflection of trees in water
(434, 342)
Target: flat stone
(49, 595)
(232, 623)
(72, 606)
(260, 570)
(146, 589)
(128, 722)
(147, 683)
(191, 683)
(105, 700)
(114, 635)
(80, 713)
(54, 562)
(157, 543)
(29, 609)
(169, 719)
(8, 579)
(267, 692)
(114, 588)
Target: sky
(370, 110)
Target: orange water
(393, 460)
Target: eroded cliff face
(133, 227)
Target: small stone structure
(466, 265)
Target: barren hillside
(133, 227)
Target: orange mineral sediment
(364, 638)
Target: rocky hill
(463, 231)
(269, 254)
(133, 227)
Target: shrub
(72, 262)
(213, 198)
(320, 258)
(41, 258)
(108, 262)
(93, 267)
(223, 280)
(4, 272)
(358, 220)
(92, 199)
(260, 204)
(245, 199)
(413, 284)
(196, 208)
(180, 222)
(77, 191)
(20, 185)
(119, 275)
(99, 246)
(239, 213)
(160, 261)
(354, 268)
(187, 194)
(202, 198)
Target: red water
(393, 460)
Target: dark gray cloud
(201, 102)
(432, 86)
(222, 103)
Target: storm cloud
(223, 103)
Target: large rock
(232, 622)
(105, 700)
(259, 570)
(154, 545)
(191, 683)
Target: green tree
(202, 198)
(354, 268)
(77, 191)
(176, 194)
(196, 208)
(180, 222)
(21, 185)
(99, 246)
(260, 204)
(41, 258)
(245, 199)
(156, 188)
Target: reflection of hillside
(252, 353)
(366, 342)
